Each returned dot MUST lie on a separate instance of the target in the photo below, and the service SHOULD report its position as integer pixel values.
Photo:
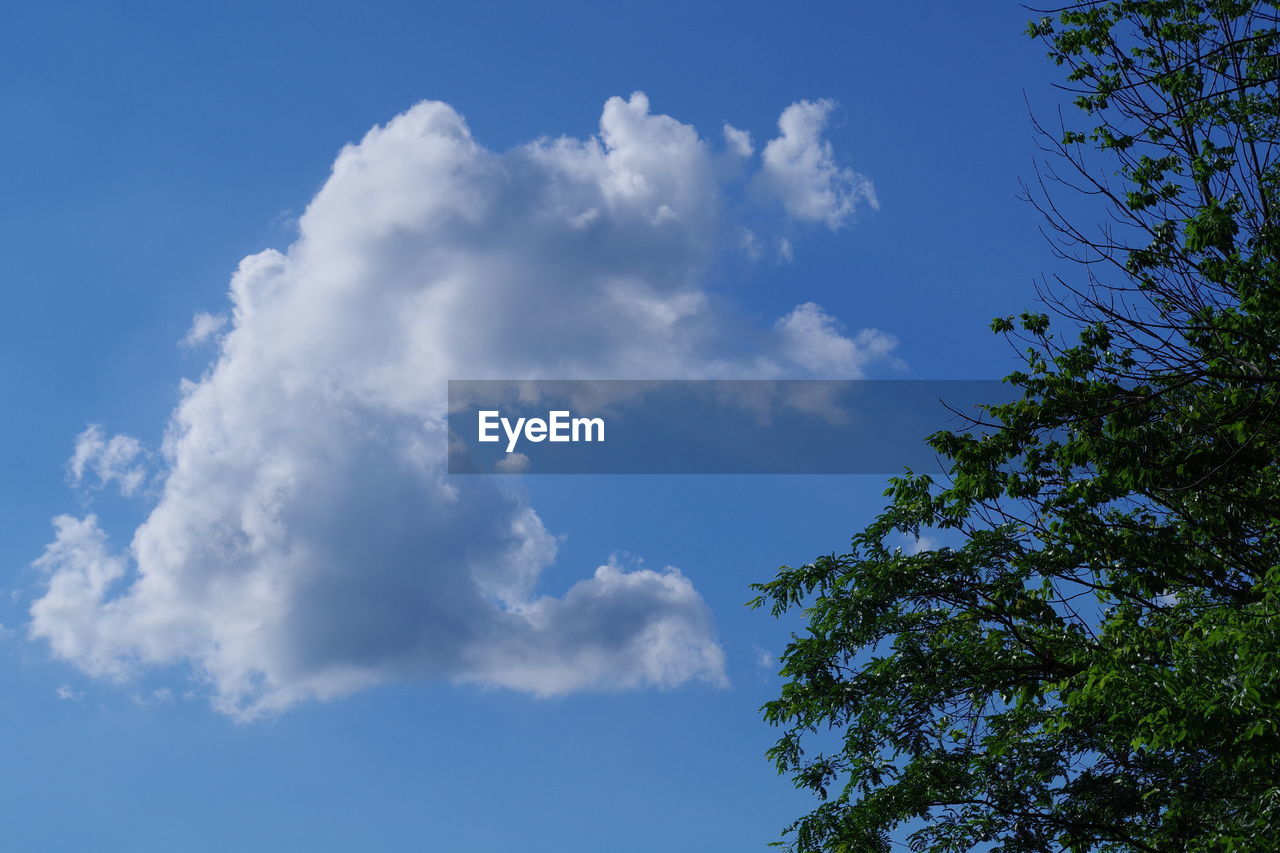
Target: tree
(1097, 665)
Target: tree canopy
(1095, 663)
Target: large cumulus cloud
(305, 541)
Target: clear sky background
(243, 698)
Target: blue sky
(226, 702)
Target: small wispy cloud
(65, 693)
(919, 544)
(801, 171)
(204, 327)
(120, 459)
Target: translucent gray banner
(706, 426)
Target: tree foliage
(1097, 665)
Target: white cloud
(800, 169)
(739, 141)
(66, 694)
(159, 696)
(815, 341)
(204, 326)
(119, 459)
(513, 463)
(616, 629)
(306, 541)
(920, 544)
